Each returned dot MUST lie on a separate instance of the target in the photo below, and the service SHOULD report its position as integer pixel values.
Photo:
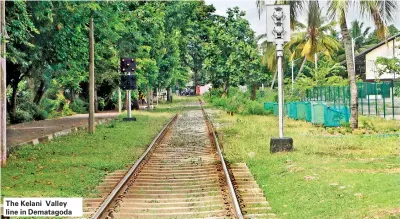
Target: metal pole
(383, 98)
(369, 109)
(3, 103)
(393, 98)
(129, 102)
(292, 77)
(352, 52)
(279, 51)
(315, 60)
(376, 99)
(91, 76)
(362, 98)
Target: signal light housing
(127, 65)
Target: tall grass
(239, 102)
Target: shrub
(256, 108)
(79, 106)
(20, 116)
(66, 111)
(34, 111)
(40, 115)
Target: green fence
(318, 113)
(374, 98)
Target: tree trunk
(301, 68)
(195, 81)
(226, 87)
(351, 75)
(3, 86)
(13, 108)
(119, 100)
(96, 101)
(169, 95)
(253, 91)
(148, 97)
(40, 92)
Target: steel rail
(228, 179)
(103, 207)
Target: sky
(258, 25)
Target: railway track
(181, 175)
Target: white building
(366, 65)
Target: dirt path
(24, 132)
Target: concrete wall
(385, 50)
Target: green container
(317, 111)
(301, 110)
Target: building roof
(361, 56)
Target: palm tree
(315, 39)
(360, 34)
(380, 12)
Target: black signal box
(127, 65)
(128, 82)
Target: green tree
(231, 50)
(315, 39)
(21, 52)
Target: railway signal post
(278, 32)
(128, 81)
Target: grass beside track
(71, 166)
(331, 173)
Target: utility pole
(92, 127)
(3, 103)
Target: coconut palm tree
(316, 38)
(381, 12)
(359, 33)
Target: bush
(40, 115)
(79, 106)
(239, 102)
(256, 108)
(34, 111)
(20, 116)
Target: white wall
(385, 50)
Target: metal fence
(374, 98)
(318, 113)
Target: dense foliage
(174, 43)
(48, 50)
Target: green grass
(71, 166)
(327, 176)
